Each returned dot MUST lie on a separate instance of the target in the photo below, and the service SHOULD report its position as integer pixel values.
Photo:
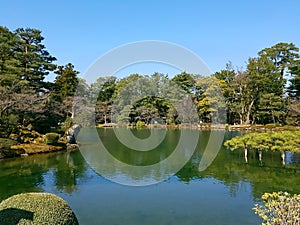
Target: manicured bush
(281, 141)
(140, 124)
(5, 150)
(51, 138)
(36, 209)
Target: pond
(222, 193)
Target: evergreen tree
(294, 88)
(283, 55)
(9, 65)
(66, 81)
(35, 61)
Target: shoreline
(11, 149)
(206, 126)
(23, 150)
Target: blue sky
(217, 31)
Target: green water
(224, 193)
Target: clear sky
(217, 31)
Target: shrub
(36, 208)
(140, 124)
(66, 124)
(51, 138)
(6, 151)
(279, 209)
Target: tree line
(266, 91)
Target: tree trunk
(283, 157)
(273, 118)
(241, 118)
(260, 155)
(247, 121)
(246, 154)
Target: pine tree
(66, 81)
(35, 61)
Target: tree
(271, 107)
(294, 94)
(66, 81)
(10, 69)
(211, 102)
(261, 77)
(294, 88)
(103, 92)
(228, 76)
(185, 81)
(283, 55)
(24, 63)
(35, 61)
(281, 141)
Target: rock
(72, 133)
(25, 135)
(40, 140)
(72, 147)
(13, 137)
(36, 208)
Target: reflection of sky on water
(222, 194)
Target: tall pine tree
(35, 61)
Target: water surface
(224, 193)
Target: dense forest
(266, 91)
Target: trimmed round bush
(51, 138)
(140, 123)
(36, 209)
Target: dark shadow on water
(12, 216)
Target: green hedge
(51, 138)
(36, 209)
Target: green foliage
(51, 138)
(185, 81)
(5, 150)
(283, 55)
(279, 209)
(255, 95)
(66, 124)
(66, 81)
(36, 208)
(294, 88)
(140, 123)
(102, 92)
(211, 103)
(146, 98)
(34, 59)
(24, 63)
(270, 140)
(271, 108)
(8, 124)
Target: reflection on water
(33, 172)
(224, 193)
